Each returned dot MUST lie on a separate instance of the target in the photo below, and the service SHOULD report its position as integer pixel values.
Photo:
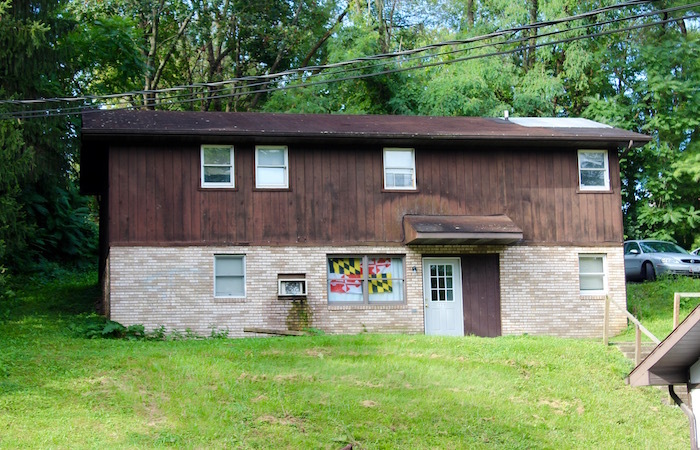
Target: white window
(217, 166)
(399, 168)
(591, 270)
(365, 279)
(271, 167)
(593, 172)
(229, 276)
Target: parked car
(646, 259)
(695, 252)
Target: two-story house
(437, 225)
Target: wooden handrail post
(676, 309)
(677, 305)
(606, 318)
(636, 322)
(637, 345)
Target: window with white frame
(229, 276)
(591, 270)
(217, 166)
(271, 167)
(399, 168)
(364, 279)
(593, 171)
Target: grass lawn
(652, 304)
(61, 390)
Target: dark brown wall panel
(336, 196)
(481, 295)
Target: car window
(661, 247)
(631, 246)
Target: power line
(341, 63)
(317, 68)
(439, 63)
(169, 101)
(379, 60)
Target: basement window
(229, 276)
(592, 278)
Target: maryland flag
(379, 275)
(380, 284)
(346, 266)
(346, 275)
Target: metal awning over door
(479, 230)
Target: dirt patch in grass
(286, 420)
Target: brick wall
(173, 287)
(540, 292)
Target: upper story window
(591, 269)
(593, 172)
(217, 166)
(271, 167)
(399, 169)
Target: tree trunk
(280, 53)
(470, 15)
(532, 42)
(320, 42)
(382, 27)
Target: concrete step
(628, 349)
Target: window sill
(594, 191)
(362, 307)
(272, 189)
(593, 296)
(400, 191)
(229, 300)
(217, 188)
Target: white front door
(442, 296)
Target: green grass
(652, 304)
(60, 390)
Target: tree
(202, 43)
(655, 91)
(368, 28)
(38, 156)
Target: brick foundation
(173, 287)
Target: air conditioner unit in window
(292, 287)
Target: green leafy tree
(656, 93)
(171, 43)
(38, 155)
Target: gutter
(688, 412)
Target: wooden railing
(677, 305)
(638, 329)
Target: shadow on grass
(63, 294)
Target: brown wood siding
(481, 295)
(336, 196)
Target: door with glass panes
(442, 296)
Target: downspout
(688, 412)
